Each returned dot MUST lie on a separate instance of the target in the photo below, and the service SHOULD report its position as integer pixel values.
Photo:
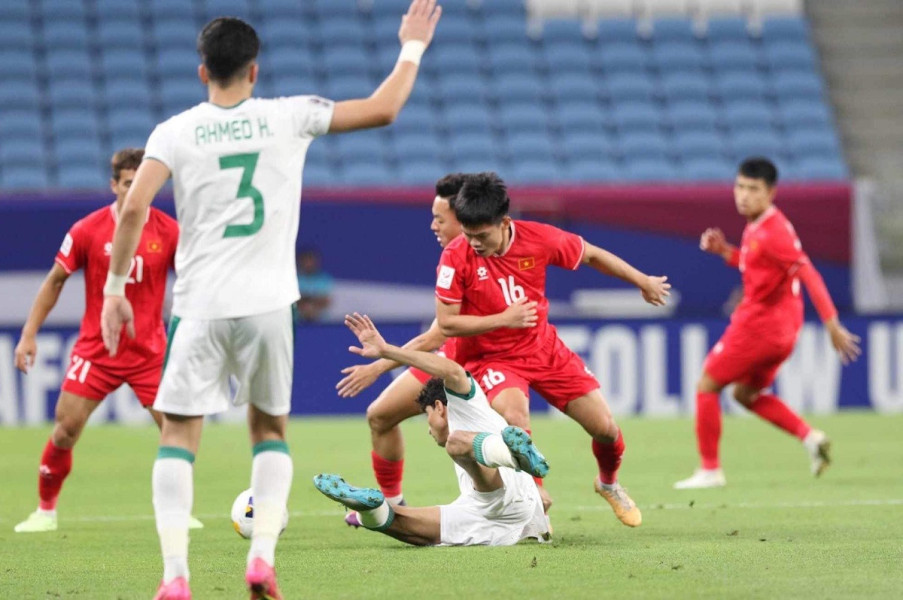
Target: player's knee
(516, 415)
(378, 420)
(66, 431)
(744, 395)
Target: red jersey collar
(771, 210)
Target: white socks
(378, 518)
(490, 450)
(173, 491)
(271, 481)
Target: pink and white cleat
(261, 580)
(177, 589)
(352, 519)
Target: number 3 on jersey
(511, 290)
(248, 163)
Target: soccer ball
(243, 515)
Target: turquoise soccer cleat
(525, 452)
(352, 497)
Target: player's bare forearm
(452, 373)
(469, 325)
(609, 264)
(428, 341)
(47, 297)
(382, 107)
(149, 178)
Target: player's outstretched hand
(357, 379)
(419, 23)
(521, 314)
(846, 343)
(26, 350)
(655, 291)
(372, 343)
(713, 241)
(116, 312)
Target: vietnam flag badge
(154, 246)
(526, 263)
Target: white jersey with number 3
(237, 184)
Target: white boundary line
(578, 508)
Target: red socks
(388, 474)
(773, 410)
(608, 457)
(55, 466)
(708, 428)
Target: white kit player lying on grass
(499, 503)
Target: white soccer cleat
(194, 523)
(701, 479)
(37, 522)
(818, 446)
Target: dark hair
(433, 390)
(482, 200)
(227, 46)
(450, 185)
(127, 158)
(758, 167)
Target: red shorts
(555, 372)
(447, 350)
(95, 382)
(746, 358)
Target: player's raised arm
(360, 377)
(48, 294)
(374, 346)
(383, 106)
(714, 242)
(654, 289)
(117, 311)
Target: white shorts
(202, 355)
(500, 518)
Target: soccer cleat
(352, 519)
(818, 445)
(525, 452)
(702, 478)
(261, 580)
(625, 508)
(177, 589)
(194, 523)
(37, 522)
(352, 497)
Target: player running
(236, 164)
(764, 326)
(92, 374)
(498, 505)
(500, 263)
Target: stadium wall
(647, 368)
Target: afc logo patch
(66, 246)
(445, 278)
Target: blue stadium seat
(294, 85)
(506, 31)
(756, 143)
(288, 34)
(116, 10)
(590, 171)
(327, 9)
(421, 171)
(477, 145)
(69, 64)
(462, 118)
(128, 120)
(349, 86)
(451, 91)
(226, 8)
(279, 10)
(70, 93)
(495, 9)
(127, 139)
(623, 58)
(171, 35)
(20, 124)
(568, 87)
(16, 36)
(530, 145)
(789, 56)
(748, 114)
(672, 30)
(339, 31)
(617, 31)
(319, 153)
(418, 146)
(568, 59)
(498, 165)
(708, 169)
(287, 63)
(643, 145)
(64, 11)
(346, 60)
(24, 177)
(677, 56)
(456, 29)
(389, 8)
(650, 169)
(134, 93)
(66, 35)
(727, 29)
(582, 145)
(733, 56)
(320, 175)
(518, 88)
(75, 122)
(630, 87)
(535, 171)
(562, 30)
(171, 9)
(740, 86)
(813, 142)
(821, 169)
(369, 145)
(177, 62)
(123, 64)
(455, 59)
(25, 153)
(581, 117)
(797, 85)
(676, 87)
(805, 113)
(637, 117)
(512, 59)
(15, 11)
(18, 65)
(416, 119)
(522, 117)
(73, 151)
(367, 173)
(113, 35)
(785, 28)
(699, 145)
(180, 94)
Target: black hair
(450, 185)
(758, 167)
(127, 158)
(433, 390)
(482, 200)
(227, 46)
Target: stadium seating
(634, 89)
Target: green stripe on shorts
(173, 325)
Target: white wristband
(115, 285)
(412, 51)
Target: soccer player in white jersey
(236, 165)
(499, 503)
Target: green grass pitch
(774, 532)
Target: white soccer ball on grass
(243, 515)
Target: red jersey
(488, 285)
(88, 245)
(769, 258)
